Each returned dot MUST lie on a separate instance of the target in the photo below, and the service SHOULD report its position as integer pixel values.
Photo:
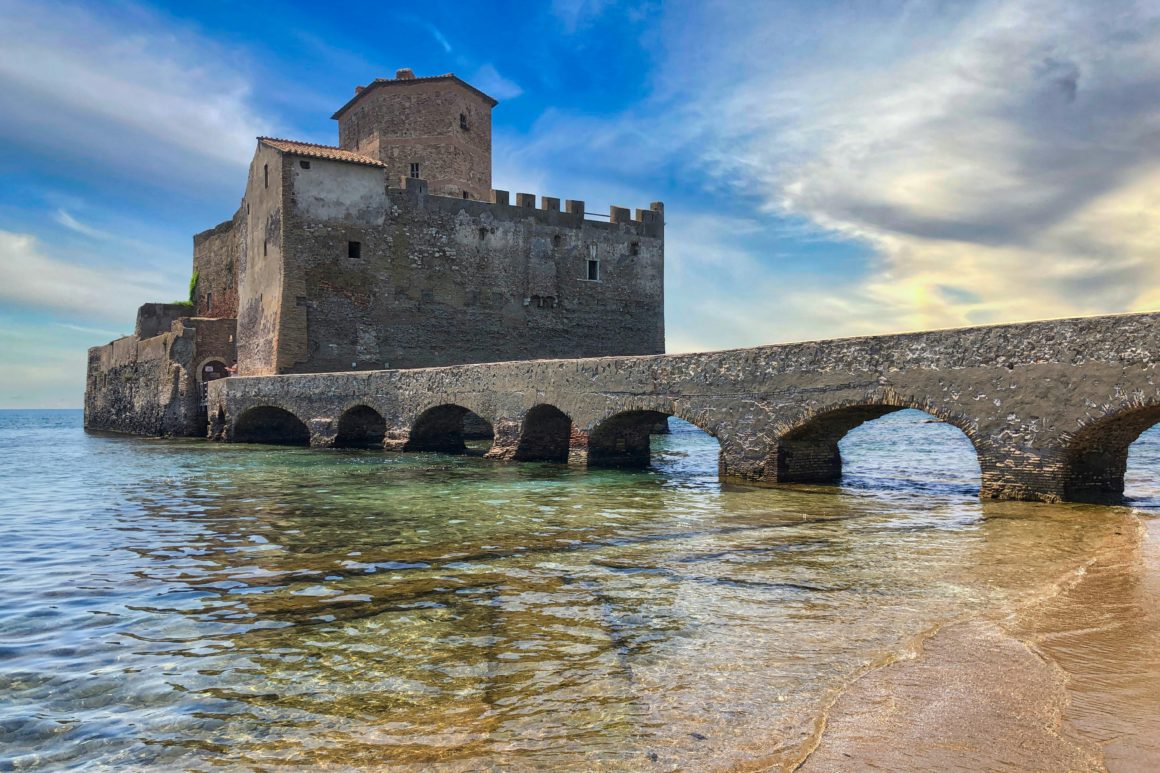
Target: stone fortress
(371, 299)
(390, 250)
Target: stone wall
(436, 280)
(1049, 406)
(151, 386)
(156, 318)
(401, 122)
(215, 256)
(261, 296)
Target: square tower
(436, 128)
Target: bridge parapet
(1050, 407)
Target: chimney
(404, 74)
(358, 90)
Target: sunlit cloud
(1005, 170)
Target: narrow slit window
(354, 250)
(266, 175)
(634, 248)
(415, 170)
(593, 270)
(463, 121)
(265, 247)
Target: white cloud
(34, 279)
(440, 38)
(123, 92)
(575, 15)
(71, 223)
(488, 80)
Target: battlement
(647, 222)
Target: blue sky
(828, 168)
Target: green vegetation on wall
(192, 292)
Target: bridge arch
(444, 428)
(808, 451)
(1096, 456)
(623, 439)
(545, 435)
(271, 425)
(360, 426)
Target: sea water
(182, 604)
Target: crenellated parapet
(646, 222)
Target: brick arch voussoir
(1111, 426)
(408, 418)
(795, 423)
(388, 415)
(700, 418)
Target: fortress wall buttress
(260, 265)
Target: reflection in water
(186, 604)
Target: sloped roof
(311, 150)
(380, 82)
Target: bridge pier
(505, 440)
(627, 450)
(804, 461)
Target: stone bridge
(1051, 407)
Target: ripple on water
(183, 604)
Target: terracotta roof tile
(311, 150)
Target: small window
(415, 171)
(265, 247)
(304, 164)
(466, 195)
(634, 248)
(482, 233)
(266, 175)
(463, 121)
(354, 250)
(594, 271)
(557, 240)
(209, 302)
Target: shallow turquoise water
(184, 604)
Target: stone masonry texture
(1049, 406)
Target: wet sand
(1069, 683)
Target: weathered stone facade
(439, 124)
(393, 251)
(1050, 407)
(215, 255)
(335, 262)
(153, 384)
